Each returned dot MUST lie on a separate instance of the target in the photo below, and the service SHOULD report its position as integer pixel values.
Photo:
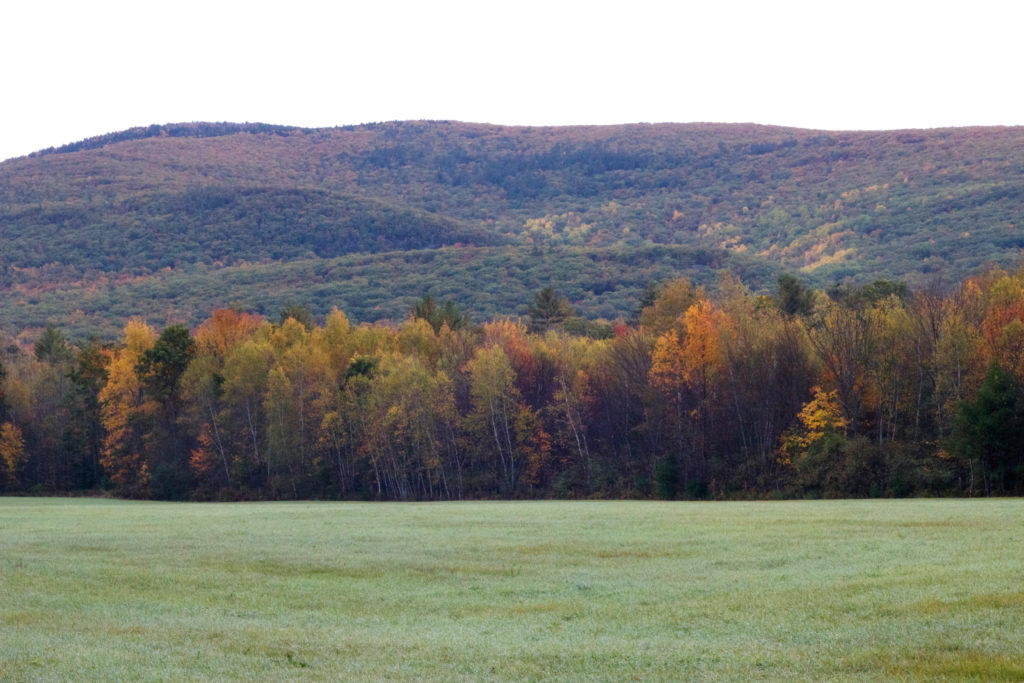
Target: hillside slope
(181, 200)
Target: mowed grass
(918, 589)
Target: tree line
(870, 391)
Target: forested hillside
(168, 222)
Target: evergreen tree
(989, 431)
(548, 310)
(793, 297)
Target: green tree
(160, 370)
(162, 366)
(438, 316)
(989, 430)
(52, 347)
(548, 310)
(83, 434)
(793, 297)
(46, 377)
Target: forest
(167, 222)
(879, 390)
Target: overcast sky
(72, 70)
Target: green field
(918, 589)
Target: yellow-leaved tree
(499, 417)
(820, 416)
(122, 406)
(12, 453)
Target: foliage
(124, 222)
(716, 392)
(52, 347)
(601, 283)
(123, 413)
(793, 297)
(438, 316)
(990, 429)
(548, 310)
(820, 416)
(12, 452)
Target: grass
(921, 589)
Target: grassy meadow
(914, 589)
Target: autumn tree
(686, 371)
(959, 359)
(813, 447)
(925, 315)
(844, 338)
(205, 411)
(405, 434)
(416, 337)
(342, 340)
(241, 415)
(571, 399)
(224, 330)
(890, 373)
(707, 328)
(668, 376)
(618, 398)
(1002, 327)
(12, 454)
(121, 401)
(670, 304)
(299, 377)
(500, 418)
(345, 428)
(284, 433)
(766, 372)
(298, 313)
(532, 364)
(202, 394)
(819, 417)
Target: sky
(72, 70)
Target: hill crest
(834, 206)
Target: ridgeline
(169, 222)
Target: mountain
(167, 222)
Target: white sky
(71, 70)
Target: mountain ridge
(833, 206)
